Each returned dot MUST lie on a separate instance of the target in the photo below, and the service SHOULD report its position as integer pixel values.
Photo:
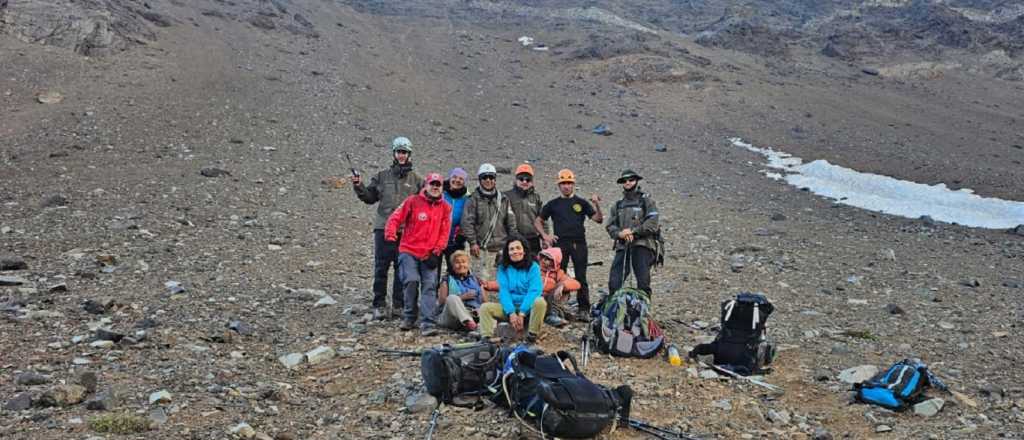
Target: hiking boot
(428, 331)
(378, 314)
(407, 324)
(531, 338)
(583, 316)
(554, 321)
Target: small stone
(161, 396)
(29, 378)
(242, 430)
(821, 434)
(105, 400)
(101, 344)
(320, 354)
(418, 403)
(858, 374)
(80, 361)
(59, 287)
(883, 428)
(1019, 230)
(661, 148)
(213, 172)
(89, 380)
(972, 283)
(54, 201)
(20, 402)
(98, 306)
(963, 399)
(894, 309)
(870, 71)
(723, 404)
(12, 281)
(291, 360)
(103, 334)
(63, 395)
(50, 97)
(946, 325)
(157, 417)
(779, 417)
(325, 301)
(778, 217)
(708, 374)
(12, 262)
(240, 327)
(273, 247)
(929, 407)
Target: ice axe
(350, 166)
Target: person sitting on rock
(519, 293)
(460, 295)
(557, 286)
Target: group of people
(514, 268)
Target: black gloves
(432, 261)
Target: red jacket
(425, 225)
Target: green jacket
(487, 221)
(526, 206)
(389, 188)
(638, 212)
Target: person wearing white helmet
(487, 219)
(388, 188)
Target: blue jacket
(457, 204)
(518, 289)
(457, 286)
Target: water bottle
(673, 356)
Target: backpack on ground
(624, 326)
(459, 375)
(742, 344)
(550, 395)
(898, 387)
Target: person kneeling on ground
(519, 293)
(460, 294)
(557, 286)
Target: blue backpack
(902, 385)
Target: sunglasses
(525, 179)
(487, 177)
(632, 179)
(436, 183)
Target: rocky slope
(169, 223)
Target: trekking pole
(350, 166)
(433, 421)
(733, 374)
(399, 353)
(659, 432)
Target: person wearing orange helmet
(568, 212)
(526, 204)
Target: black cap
(628, 174)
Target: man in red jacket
(425, 220)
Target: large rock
(105, 400)
(291, 360)
(418, 403)
(63, 395)
(20, 402)
(858, 374)
(161, 396)
(12, 281)
(89, 28)
(12, 262)
(29, 378)
(320, 354)
(929, 407)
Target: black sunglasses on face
(632, 179)
(435, 183)
(487, 177)
(525, 179)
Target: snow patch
(889, 195)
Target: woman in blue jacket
(519, 293)
(456, 194)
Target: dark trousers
(385, 256)
(641, 259)
(576, 250)
(533, 245)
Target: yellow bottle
(673, 356)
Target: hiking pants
(454, 313)
(484, 265)
(418, 281)
(640, 259)
(491, 313)
(385, 255)
(533, 245)
(576, 250)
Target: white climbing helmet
(486, 169)
(401, 143)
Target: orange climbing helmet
(566, 176)
(524, 169)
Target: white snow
(888, 195)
